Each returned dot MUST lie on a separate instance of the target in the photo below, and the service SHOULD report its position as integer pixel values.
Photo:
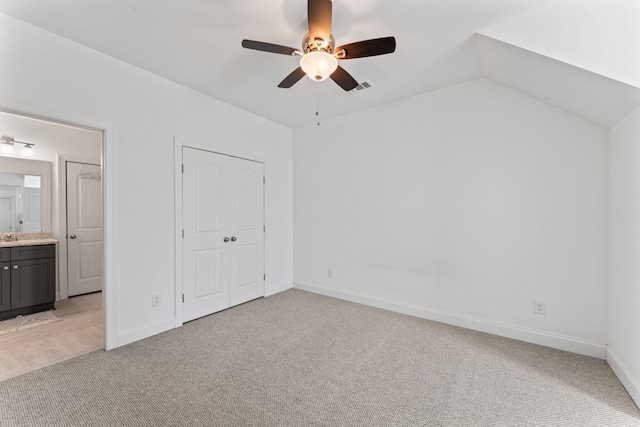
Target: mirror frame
(33, 167)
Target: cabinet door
(32, 282)
(5, 286)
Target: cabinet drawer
(5, 254)
(32, 252)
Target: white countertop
(28, 242)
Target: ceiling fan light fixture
(318, 65)
(320, 55)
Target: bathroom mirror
(24, 195)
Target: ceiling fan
(319, 55)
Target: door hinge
(183, 234)
(183, 298)
(264, 228)
(264, 180)
(182, 168)
(264, 277)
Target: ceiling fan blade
(343, 79)
(366, 48)
(292, 78)
(268, 47)
(319, 13)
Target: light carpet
(27, 321)
(300, 359)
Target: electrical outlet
(330, 273)
(155, 300)
(539, 307)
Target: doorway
(42, 128)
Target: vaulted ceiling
(579, 55)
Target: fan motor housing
(309, 45)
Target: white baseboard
(277, 289)
(626, 378)
(145, 331)
(560, 342)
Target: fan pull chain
(318, 105)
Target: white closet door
(246, 225)
(222, 256)
(205, 280)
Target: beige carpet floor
(300, 359)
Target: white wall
(461, 205)
(50, 138)
(43, 73)
(624, 289)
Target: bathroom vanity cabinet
(27, 279)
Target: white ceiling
(197, 43)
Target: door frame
(179, 143)
(109, 179)
(63, 266)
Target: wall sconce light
(27, 150)
(7, 146)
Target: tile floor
(79, 331)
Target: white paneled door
(84, 228)
(223, 224)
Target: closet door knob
(226, 239)
(15, 267)
(73, 236)
(5, 267)
(233, 238)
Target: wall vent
(364, 85)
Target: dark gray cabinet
(27, 280)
